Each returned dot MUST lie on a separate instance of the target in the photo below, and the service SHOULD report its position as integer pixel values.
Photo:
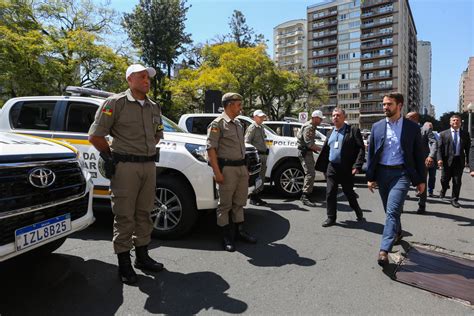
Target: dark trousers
(337, 175)
(422, 200)
(455, 172)
(431, 179)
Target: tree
(250, 72)
(55, 44)
(241, 33)
(156, 29)
(444, 120)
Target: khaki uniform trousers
(263, 170)
(307, 162)
(232, 195)
(133, 196)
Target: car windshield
(171, 126)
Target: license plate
(40, 232)
(258, 182)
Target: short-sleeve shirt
(227, 137)
(135, 128)
(255, 135)
(306, 135)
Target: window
(354, 45)
(355, 65)
(32, 115)
(343, 56)
(355, 55)
(354, 75)
(354, 24)
(354, 35)
(343, 66)
(79, 117)
(354, 14)
(343, 86)
(343, 46)
(343, 37)
(342, 17)
(343, 26)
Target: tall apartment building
(466, 86)
(290, 45)
(364, 50)
(424, 67)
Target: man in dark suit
(394, 160)
(453, 153)
(340, 159)
(471, 160)
(429, 151)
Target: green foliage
(53, 44)
(241, 33)
(156, 29)
(250, 72)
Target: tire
(47, 249)
(289, 179)
(175, 212)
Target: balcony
(325, 43)
(294, 52)
(376, 108)
(371, 3)
(324, 15)
(375, 34)
(376, 66)
(325, 25)
(324, 62)
(288, 34)
(376, 87)
(375, 13)
(325, 53)
(373, 56)
(324, 34)
(378, 44)
(375, 24)
(376, 77)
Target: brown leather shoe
(383, 258)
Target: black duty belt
(392, 166)
(228, 162)
(132, 158)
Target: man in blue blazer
(394, 160)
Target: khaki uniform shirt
(134, 128)
(307, 135)
(255, 135)
(227, 137)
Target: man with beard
(394, 159)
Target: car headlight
(198, 151)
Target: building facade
(466, 86)
(290, 45)
(424, 67)
(364, 50)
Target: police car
(45, 195)
(283, 166)
(184, 180)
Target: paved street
(297, 267)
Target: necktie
(455, 142)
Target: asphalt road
(297, 267)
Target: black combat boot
(306, 201)
(125, 270)
(256, 200)
(228, 240)
(243, 235)
(144, 262)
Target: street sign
(303, 117)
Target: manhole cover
(438, 273)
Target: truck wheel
(47, 249)
(175, 212)
(289, 179)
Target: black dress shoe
(455, 204)
(441, 194)
(421, 210)
(228, 245)
(328, 222)
(430, 194)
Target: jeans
(431, 179)
(393, 188)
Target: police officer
(226, 150)
(306, 146)
(134, 122)
(255, 135)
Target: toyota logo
(42, 177)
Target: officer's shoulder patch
(214, 126)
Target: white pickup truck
(45, 195)
(283, 166)
(184, 180)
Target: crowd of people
(400, 154)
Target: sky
(447, 24)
